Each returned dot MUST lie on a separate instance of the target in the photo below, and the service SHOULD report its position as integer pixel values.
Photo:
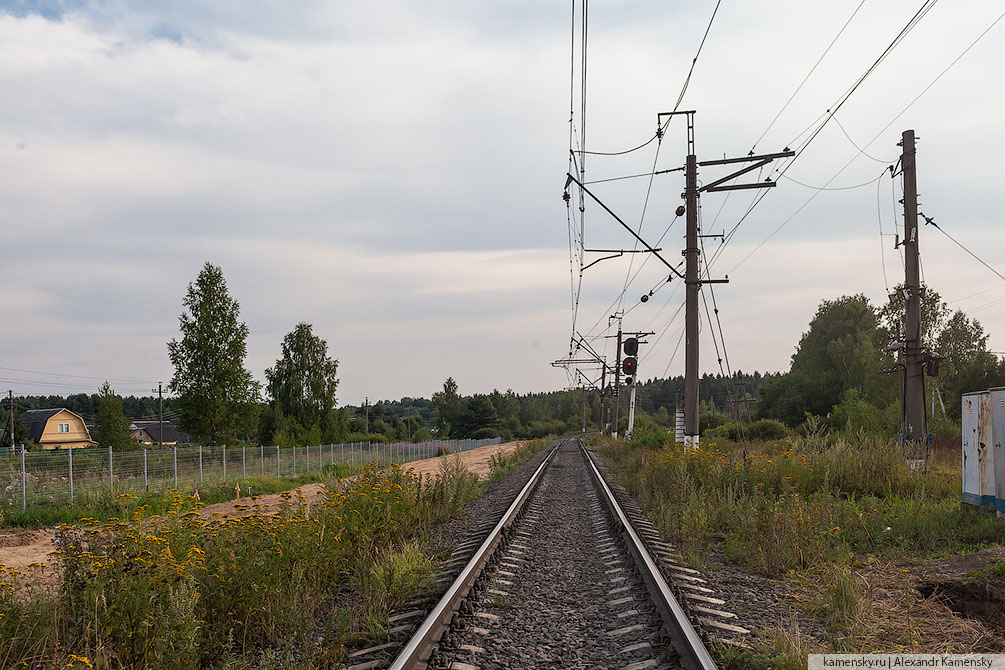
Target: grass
(833, 516)
(102, 505)
(501, 464)
(166, 587)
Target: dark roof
(171, 434)
(35, 420)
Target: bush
(767, 429)
(709, 420)
(854, 415)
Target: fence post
(278, 474)
(244, 462)
(294, 460)
(307, 450)
(224, 463)
(263, 460)
(69, 455)
(342, 447)
(111, 477)
(200, 466)
(175, 450)
(146, 481)
(24, 484)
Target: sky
(393, 172)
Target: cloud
(392, 172)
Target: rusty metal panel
(978, 469)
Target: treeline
(844, 369)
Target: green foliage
(842, 349)
(182, 590)
(447, 408)
(216, 395)
(709, 420)
(854, 415)
(21, 434)
(302, 384)
(757, 431)
(501, 464)
(797, 504)
(112, 425)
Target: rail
(685, 639)
(419, 648)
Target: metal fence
(51, 478)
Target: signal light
(629, 365)
(631, 347)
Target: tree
(302, 384)
(934, 315)
(843, 349)
(968, 366)
(112, 425)
(448, 407)
(216, 395)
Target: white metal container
(978, 453)
(996, 445)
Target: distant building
(57, 428)
(149, 432)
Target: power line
(835, 188)
(806, 78)
(922, 11)
(932, 222)
(60, 374)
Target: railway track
(569, 575)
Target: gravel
(561, 592)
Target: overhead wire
(808, 75)
(977, 258)
(882, 244)
(827, 116)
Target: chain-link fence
(56, 477)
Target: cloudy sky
(392, 173)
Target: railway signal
(628, 366)
(631, 347)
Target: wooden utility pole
(914, 357)
(692, 274)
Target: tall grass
(500, 463)
(793, 504)
(175, 589)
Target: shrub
(767, 429)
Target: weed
(500, 463)
(167, 587)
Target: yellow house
(57, 428)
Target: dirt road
(21, 548)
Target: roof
(36, 419)
(171, 434)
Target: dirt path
(21, 548)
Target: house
(149, 432)
(57, 428)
